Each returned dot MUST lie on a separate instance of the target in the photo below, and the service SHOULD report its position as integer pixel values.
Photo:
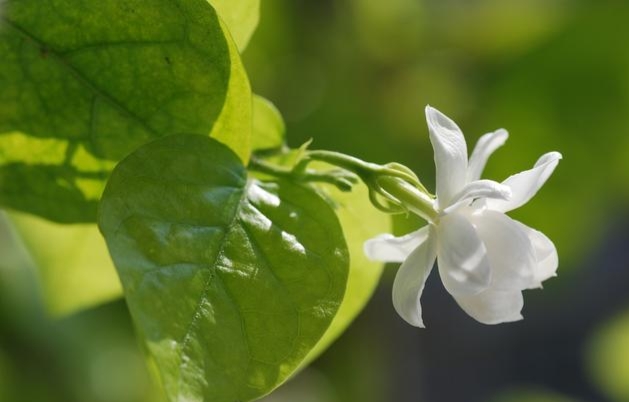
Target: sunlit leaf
(360, 221)
(268, 125)
(230, 281)
(83, 84)
(74, 266)
(234, 125)
(241, 17)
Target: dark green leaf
(230, 281)
(360, 221)
(85, 83)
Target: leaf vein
(127, 43)
(80, 77)
(197, 313)
(257, 249)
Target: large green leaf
(85, 83)
(360, 221)
(241, 17)
(230, 281)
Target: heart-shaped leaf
(360, 221)
(230, 281)
(85, 83)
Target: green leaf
(82, 84)
(269, 130)
(234, 125)
(230, 281)
(241, 17)
(74, 266)
(360, 221)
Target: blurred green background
(355, 75)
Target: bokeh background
(355, 75)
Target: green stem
(347, 162)
(268, 168)
(339, 178)
(400, 189)
(368, 172)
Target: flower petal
(462, 257)
(485, 146)
(525, 185)
(450, 150)
(410, 279)
(493, 306)
(510, 252)
(389, 248)
(478, 189)
(545, 255)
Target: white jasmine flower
(485, 258)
